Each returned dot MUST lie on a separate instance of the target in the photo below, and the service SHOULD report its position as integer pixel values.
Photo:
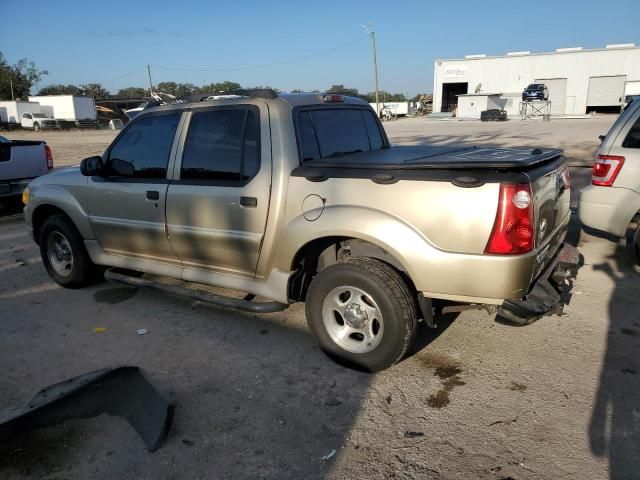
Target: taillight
(333, 98)
(606, 169)
(49, 155)
(513, 228)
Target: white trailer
(396, 109)
(69, 110)
(11, 112)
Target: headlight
(25, 196)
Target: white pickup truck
(20, 162)
(38, 121)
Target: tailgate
(22, 159)
(551, 196)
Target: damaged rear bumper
(549, 293)
(123, 391)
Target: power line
(263, 65)
(124, 75)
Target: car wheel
(64, 255)
(36, 127)
(362, 313)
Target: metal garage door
(557, 93)
(632, 88)
(605, 91)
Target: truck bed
(20, 162)
(441, 157)
(462, 165)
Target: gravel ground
(255, 398)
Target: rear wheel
(361, 312)
(64, 255)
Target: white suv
(612, 202)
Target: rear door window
(147, 144)
(324, 133)
(222, 145)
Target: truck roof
(248, 96)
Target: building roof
(558, 51)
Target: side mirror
(121, 168)
(92, 166)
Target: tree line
(24, 75)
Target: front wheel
(64, 255)
(36, 127)
(361, 311)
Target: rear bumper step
(547, 297)
(246, 304)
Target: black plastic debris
(124, 391)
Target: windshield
(535, 86)
(39, 115)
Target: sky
(293, 44)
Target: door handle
(251, 202)
(153, 195)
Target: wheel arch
(40, 216)
(319, 253)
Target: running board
(245, 304)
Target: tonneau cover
(441, 157)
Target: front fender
(69, 199)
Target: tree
(131, 92)
(59, 89)
(220, 87)
(384, 96)
(176, 89)
(342, 90)
(23, 75)
(94, 90)
(265, 87)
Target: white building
(579, 80)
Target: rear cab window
(334, 132)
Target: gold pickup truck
(301, 198)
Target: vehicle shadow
(614, 431)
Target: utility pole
(369, 29)
(150, 82)
(11, 84)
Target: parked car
(535, 91)
(39, 121)
(20, 162)
(612, 202)
(301, 198)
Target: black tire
(633, 237)
(82, 271)
(36, 127)
(392, 298)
